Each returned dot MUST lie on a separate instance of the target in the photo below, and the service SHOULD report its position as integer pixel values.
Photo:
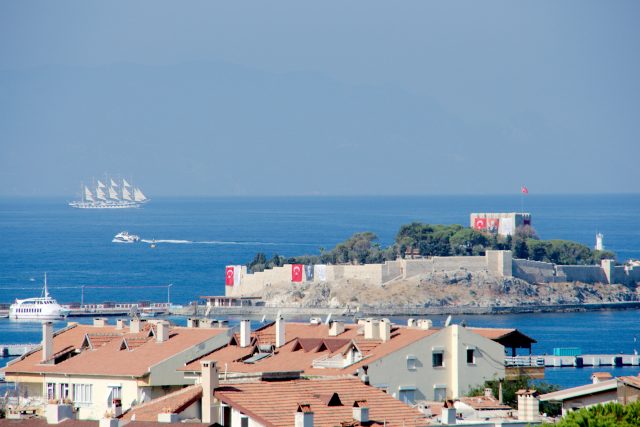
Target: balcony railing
(524, 361)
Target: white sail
(88, 195)
(113, 183)
(125, 194)
(113, 194)
(125, 183)
(138, 196)
(100, 194)
(101, 185)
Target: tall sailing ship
(113, 196)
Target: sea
(197, 237)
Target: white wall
(457, 375)
(99, 391)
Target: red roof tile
(275, 403)
(109, 359)
(175, 403)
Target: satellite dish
(326, 322)
(448, 321)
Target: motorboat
(125, 237)
(42, 308)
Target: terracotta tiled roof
(109, 358)
(175, 402)
(294, 356)
(484, 403)
(601, 375)
(42, 422)
(630, 380)
(275, 403)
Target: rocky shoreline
(439, 293)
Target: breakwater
(271, 311)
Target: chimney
(162, 331)
(100, 321)
(425, 324)
(488, 392)
(528, 405)
(361, 411)
(335, 328)
(411, 322)
(192, 323)
(304, 416)
(120, 324)
(47, 341)
(385, 330)
(448, 416)
(280, 333)
(245, 333)
(135, 325)
(210, 381)
(206, 323)
(371, 329)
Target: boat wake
(222, 242)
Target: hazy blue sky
(359, 97)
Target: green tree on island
(442, 240)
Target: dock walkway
(12, 350)
(550, 361)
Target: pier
(12, 350)
(578, 361)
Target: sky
(206, 98)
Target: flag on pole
(524, 190)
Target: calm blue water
(74, 247)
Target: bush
(608, 415)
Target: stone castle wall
(498, 263)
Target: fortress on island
(500, 264)
(497, 263)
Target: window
(407, 395)
(82, 393)
(411, 362)
(471, 356)
(64, 391)
(115, 394)
(438, 359)
(51, 391)
(439, 392)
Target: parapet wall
(496, 262)
(534, 271)
(581, 273)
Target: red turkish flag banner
(479, 223)
(228, 280)
(296, 272)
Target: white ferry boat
(43, 308)
(125, 237)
